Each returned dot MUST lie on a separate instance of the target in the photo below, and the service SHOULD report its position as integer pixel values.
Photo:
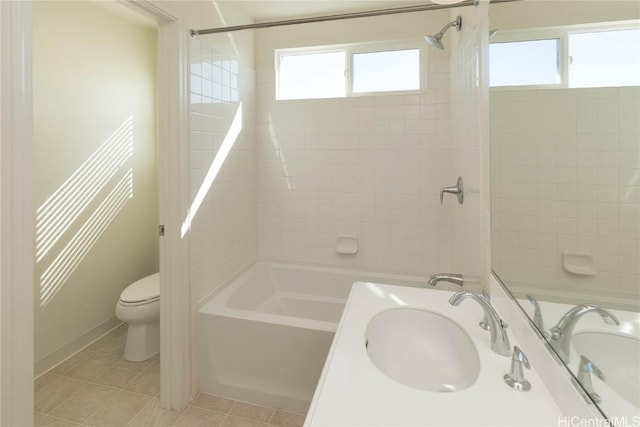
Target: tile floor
(97, 387)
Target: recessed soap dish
(347, 245)
(580, 263)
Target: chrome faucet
(499, 339)
(445, 277)
(562, 332)
(537, 316)
(585, 370)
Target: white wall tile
(588, 185)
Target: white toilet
(139, 306)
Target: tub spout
(446, 277)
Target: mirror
(565, 183)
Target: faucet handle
(585, 369)
(537, 316)
(515, 378)
(457, 189)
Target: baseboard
(50, 361)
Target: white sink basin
(617, 356)
(422, 349)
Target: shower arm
(456, 23)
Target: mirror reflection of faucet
(562, 332)
(537, 316)
(585, 370)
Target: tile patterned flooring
(97, 387)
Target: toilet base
(143, 341)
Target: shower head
(436, 40)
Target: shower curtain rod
(337, 17)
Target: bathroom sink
(617, 356)
(422, 349)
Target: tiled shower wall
(566, 177)
(222, 167)
(467, 109)
(369, 167)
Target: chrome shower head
(436, 40)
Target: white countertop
(353, 392)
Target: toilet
(139, 306)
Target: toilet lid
(146, 289)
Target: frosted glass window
(525, 63)
(312, 75)
(395, 70)
(605, 58)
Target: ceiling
(268, 10)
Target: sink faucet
(445, 277)
(562, 332)
(499, 339)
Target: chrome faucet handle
(515, 378)
(457, 189)
(484, 324)
(585, 369)
(537, 316)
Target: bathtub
(264, 336)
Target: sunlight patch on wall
(64, 206)
(225, 148)
(74, 252)
(279, 152)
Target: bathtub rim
(215, 303)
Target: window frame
(562, 33)
(349, 51)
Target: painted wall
(365, 166)
(95, 166)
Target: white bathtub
(264, 337)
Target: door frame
(17, 215)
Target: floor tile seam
(205, 409)
(102, 404)
(121, 388)
(59, 418)
(254, 404)
(67, 398)
(250, 419)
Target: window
(357, 70)
(312, 75)
(607, 55)
(533, 62)
(388, 71)
(605, 58)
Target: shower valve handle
(458, 190)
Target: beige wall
(94, 73)
(550, 13)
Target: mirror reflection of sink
(422, 349)
(617, 356)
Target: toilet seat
(142, 292)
